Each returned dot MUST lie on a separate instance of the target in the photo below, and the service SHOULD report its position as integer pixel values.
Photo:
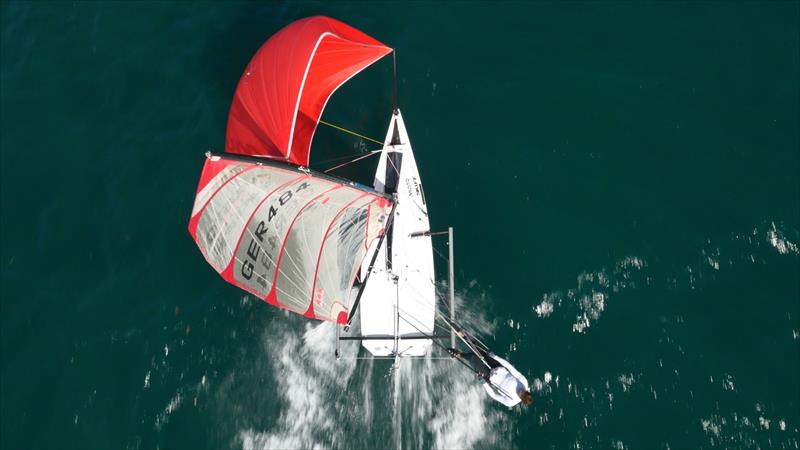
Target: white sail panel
(230, 208)
(260, 250)
(344, 248)
(302, 250)
(204, 195)
(289, 236)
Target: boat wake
(361, 402)
(313, 389)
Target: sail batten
(292, 237)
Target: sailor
(501, 380)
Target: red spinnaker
(286, 85)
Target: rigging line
(373, 152)
(444, 323)
(486, 380)
(431, 307)
(447, 323)
(425, 305)
(396, 170)
(406, 314)
(350, 132)
(445, 258)
(389, 221)
(453, 324)
(466, 341)
(440, 345)
(448, 326)
(340, 158)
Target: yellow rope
(350, 132)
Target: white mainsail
(399, 301)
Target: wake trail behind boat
(433, 404)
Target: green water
(623, 179)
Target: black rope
(389, 221)
(483, 377)
(455, 325)
(443, 348)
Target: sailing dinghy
(316, 244)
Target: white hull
(400, 298)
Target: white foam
(430, 403)
(170, 408)
(632, 262)
(627, 381)
(709, 426)
(590, 296)
(727, 383)
(545, 308)
(777, 239)
(467, 421)
(581, 323)
(310, 381)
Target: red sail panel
(289, 237)
(286, 85)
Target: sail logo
(412, 184)
(253, 250)
(255, 247)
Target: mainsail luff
(294, 238)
